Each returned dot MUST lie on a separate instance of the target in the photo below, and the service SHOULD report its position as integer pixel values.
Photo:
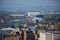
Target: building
(37, 18)
(33, 13)
(17, 17)
(49, 36)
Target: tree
(17, 26)
(50, 17)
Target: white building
(37, 18)
(17, 15)
(49, 36)
(33, 13)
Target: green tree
(17, 26)
(50, 17)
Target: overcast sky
(28, 5)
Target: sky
(29, 5)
